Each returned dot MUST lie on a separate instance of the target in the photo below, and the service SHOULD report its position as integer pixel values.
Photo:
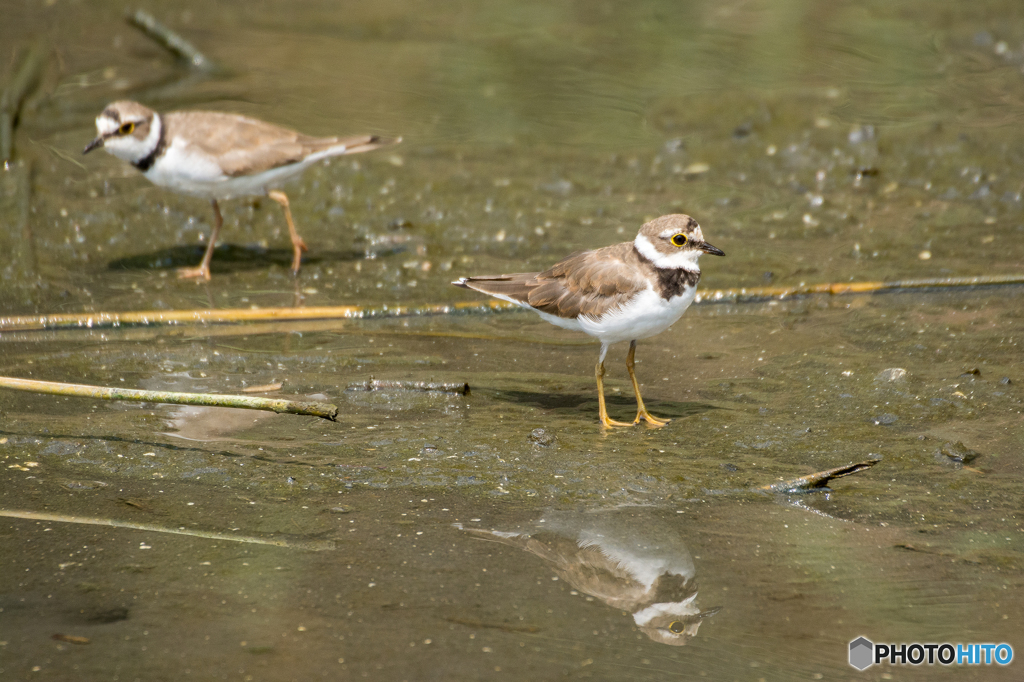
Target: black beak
(98, 142)
(713, 250)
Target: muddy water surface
(434, 535)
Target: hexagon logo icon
(861, 653)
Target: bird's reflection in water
(628, 558)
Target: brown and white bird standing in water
(623, 292)
(217, 156)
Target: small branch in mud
(70, 639)
(169, 40)
(818, 480)
(950, 555)
(281, 406)
(278, 540)
(381, 385)
(912, 548)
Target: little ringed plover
(627, 291)
(217, 156)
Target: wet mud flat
(926, 538)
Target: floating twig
(281, 406)
(383, 385)
(275, 540)
(14, 96)
(355, 312)
(171, 41)
(818, 480)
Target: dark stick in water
(175, 44)
(818, 479)
(14, 96)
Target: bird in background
(217, 156)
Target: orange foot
(644, 415)
(608, 423)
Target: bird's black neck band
(146, 162)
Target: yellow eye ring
(679, 239)
(126, 128)
(676, 626)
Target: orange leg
(298, 246)
(641, 411)
(203, 271)
(601, 409)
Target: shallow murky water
(435, 535)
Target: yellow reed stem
(355, 312)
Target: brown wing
(246, 145)
(587, 283)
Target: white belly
(645, 315)
(196, 174)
